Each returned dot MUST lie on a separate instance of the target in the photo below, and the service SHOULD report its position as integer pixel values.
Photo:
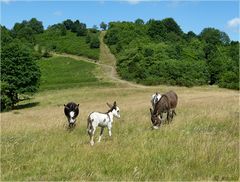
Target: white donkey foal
(102, 120)
(155, 98)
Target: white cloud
(6, 1)
(234, 25)
(233, 22)
(57, 13)
(133, 1)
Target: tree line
(155, 52)
(159, 52)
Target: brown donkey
(166, 104)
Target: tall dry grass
(202, 142)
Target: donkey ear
(151, 111)
(114, 104)
(78, 105)
(109, 105)
(64, 105)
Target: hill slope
(70, 43)
(64, 72)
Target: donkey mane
(110, 110)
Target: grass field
(71, 43)
(63, 72)
(202, 143)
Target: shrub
(6, 102)
(95, 43)
(230, 80)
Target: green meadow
(64, 72)
(202, 142)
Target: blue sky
(190, 15)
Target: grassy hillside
(202, 143)
(63, 72)
(70, 43)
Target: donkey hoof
(91, 143)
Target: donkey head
(114, 109)
(71, 111)
(155, 119)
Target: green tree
(139, 21)
(36, 26)
(95, 43)
(5, 36)
(158, 52)
(82, 30)
(156, 30)
(94, 29)
(211, 36)
(19, 71)
(103, 26)
(68, 24)
(79, 28)
(172, 26)
(190, 35)
(224, 38)
(214, 39)
(27, 30)
(57, 29)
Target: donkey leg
(161, 118)
(109, 131)
(174, 112)
(168, 116)
(100, 137)
(92, 136)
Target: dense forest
(159, 52)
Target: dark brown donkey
(166, 104)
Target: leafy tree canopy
(159, 52)
(103, 26)
(19, 71)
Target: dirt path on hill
(107, 63)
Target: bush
(88, 38)
(46, 53)
(230, 80)
(6, 102)
(95, 43)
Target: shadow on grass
(25, 106)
